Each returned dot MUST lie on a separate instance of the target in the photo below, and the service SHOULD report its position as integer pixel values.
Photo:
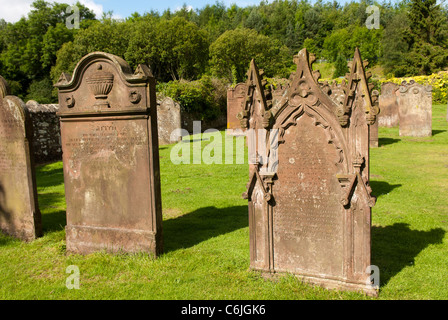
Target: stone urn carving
(100, 83)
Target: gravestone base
(331, 284)
(86, 240)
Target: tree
(232, 52)
(174, 49)
(427, 36)
(341, 66)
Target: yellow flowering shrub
(438, 81)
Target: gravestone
(373, 135)
(19, 210)
(415, 109)
(235, 99)
(108, 120)
(309, 195)
(388, 117)
(168, 119)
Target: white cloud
(12, 11)
(189, 8)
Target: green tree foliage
(232, 52)
(341, 66)
(29, 46)
(427, 36)
(221, 40)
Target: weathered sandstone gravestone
(388, 117)
(19, 211)
(108, 118)
(235, 100)
(309, 195)
(373, 135)
(168, 120)
(415, 109)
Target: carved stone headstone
(19, 210)
(415, 109)
(235, 100)
(108, 118)
(373, 135)
(388, 117)
(168, 119)
(309, 195)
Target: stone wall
(46, 132)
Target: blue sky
(13, 10)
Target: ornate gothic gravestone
(388, 117)
(310, 205)
(108, 117)
(19, 211)
(415, 109)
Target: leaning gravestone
(388, 104)
(415, 109)
(309, 195)
(108, 117)
(19, 211)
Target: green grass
(206, 235)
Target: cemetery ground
(206, 234)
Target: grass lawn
(206, 235)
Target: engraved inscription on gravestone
(109, 137)
(310, 212)
(19, 211)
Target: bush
(206, 96)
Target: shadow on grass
(434, 132)
(52, 207)
(386, 141)
(50, 178)
(395, 247)
(382, 187)
(202, 224)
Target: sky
(13, 10)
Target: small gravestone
(108, 118)
(373, 135)
(388, 104)
(415, 109)
(19, 211)
(168, 120)
(309, 195)
(235, 99)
